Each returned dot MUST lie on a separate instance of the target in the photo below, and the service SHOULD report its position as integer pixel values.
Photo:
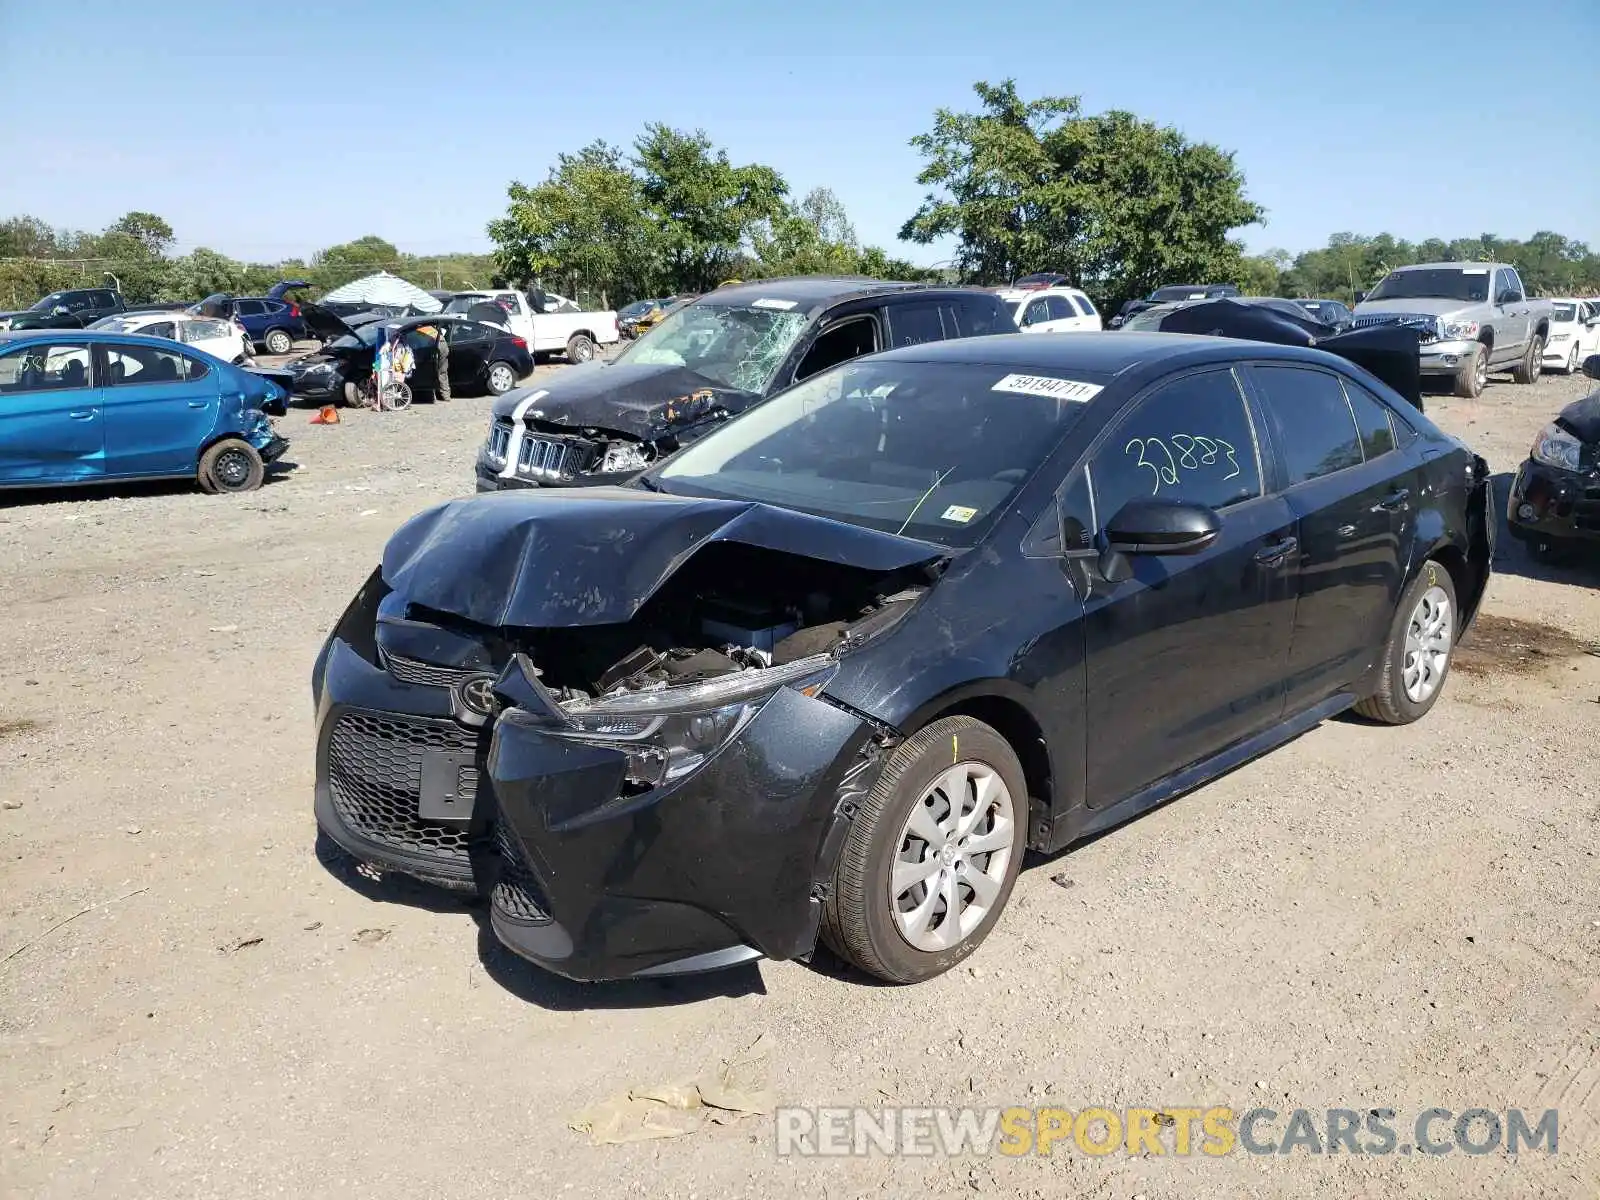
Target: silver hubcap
(1483, 369)
(1428, 639)
(953, 854)
(500, 379)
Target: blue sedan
(81, 406)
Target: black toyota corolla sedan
(830, 671)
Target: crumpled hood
(554, 559)
(625, 397)
(1581, 418)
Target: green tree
(148, 230)
(199, 273)
(1117, 204)
(706, 209)
(585, 220)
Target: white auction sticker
(959, 512)
(785, 305)
(1046, 385)
(1474, 270)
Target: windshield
(1182, 291)
(1150, 318)
(1564, 312)
(733, 347)
(932, 451)
(1445, 283)
(46, 303)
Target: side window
(1085, 308)
(54, 368)
(146, 364)
(164, 329)
(193, 368)
(1372, 420)
(1060, 308)
(1316, 428)
(849, 339)
(1067, 525)
(508, 301)
(1514, 282)
(273, 306)
(1190, 439)
(249, 308)
(916, 323)
(104, 299)
(78, 301)
(978, 318)
(1035, 314)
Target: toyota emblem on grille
(476, 698)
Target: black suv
(78, 308)
(603, 422)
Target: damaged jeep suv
(604, 422)
(829, 672)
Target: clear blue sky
(270, 129)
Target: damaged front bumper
(589, 876)
(1552, 505)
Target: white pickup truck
(576, 334)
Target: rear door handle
(82, 414)
(1271, 556)
(1395, 499)
(197, 404)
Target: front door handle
(1271, 556)
(1395, 499)
(82, 414)
(197, 404)
(1346, 531)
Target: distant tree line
(1118, 204)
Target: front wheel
(231, 466)
(278, 342)
(1416, 657)
(501, 378)
(1527, 371)
(1472, 376)
(1572, 360)
(932, 854)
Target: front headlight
(624, 456)
(1457, 331)
(669, 732)
(5, 323)
(1555, 447)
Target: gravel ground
(1369, 917)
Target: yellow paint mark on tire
(955, 750)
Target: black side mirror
(1158, 527)
(1591, 366)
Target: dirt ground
(192, 1004)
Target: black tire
(1390, 703)
(580, 348)
(1527, 370)
(500, 377)
(352, 395)
(278, 341)
(857, 921)
(1572, 360)
(231, 466)
(1472, 374)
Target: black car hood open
(626, 397)
(555, 559)
(1581, 419)
(324, 325)
(1390, 352)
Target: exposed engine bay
(731, 608)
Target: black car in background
(75, 308)
(1173, 293)
(483, 358)
(1555, 499)
(832, 669)
(603, 422)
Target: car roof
(1100, 356)
(811, 290)
(1453, 266)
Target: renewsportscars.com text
(1177, 1130)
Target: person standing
(441, 361)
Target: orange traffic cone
(328, 416)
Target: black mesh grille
(409, 670)
(517, 892)
(375, 777)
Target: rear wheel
(1416, 658)
(1473, 373)
(580, 348)
(1572, 360)
(1527, 371)
(932, 854)
(500, 378)
(231, 466)
(278, 342)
